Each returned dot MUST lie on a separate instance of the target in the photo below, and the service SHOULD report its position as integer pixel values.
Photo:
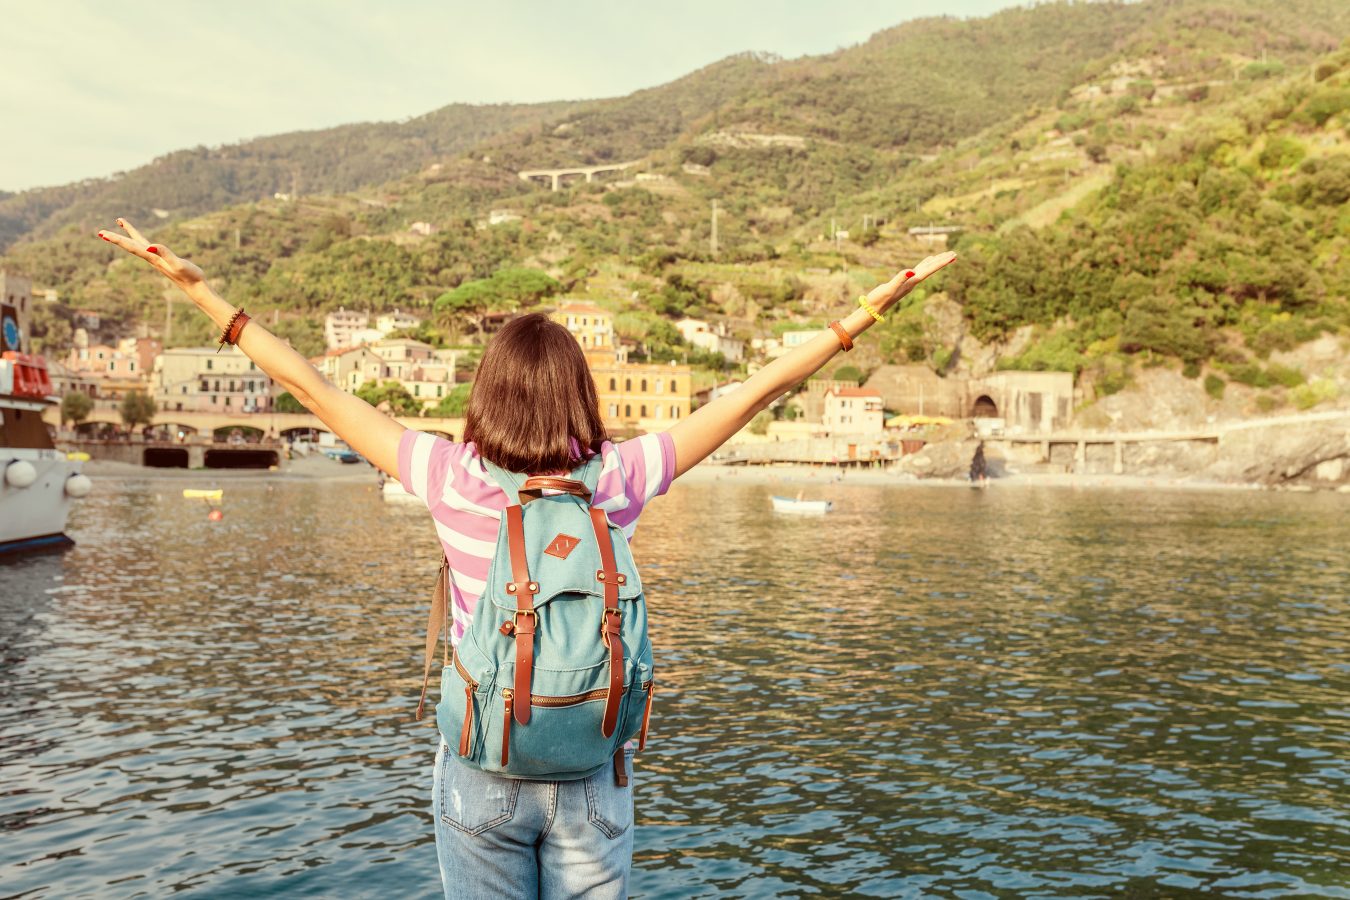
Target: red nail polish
(909, 274)
(152, 249)
(106, 238)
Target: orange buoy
(215, 515)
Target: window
(613, 384)
(627, 409)
(252, 366)
(439, 388)
(227, 401)
(183, 390)
(132, 365)
(417, 390)
(643, 411)
(628, 384)
(614, 410)
(658, 385)
(178, 407)
(205, 386)
(674, 412)
(213, 399)
(644, 385)
(208, 364)
(111, 365)
(673, 388)
(217, 385)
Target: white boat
(795, 505)
(393, 490)
(37, 481)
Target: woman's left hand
(180, 271)
(888, 294)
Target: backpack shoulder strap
(438, 622)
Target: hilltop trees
(506, 290)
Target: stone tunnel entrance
(166, 457)
(240, 459)
(985, 408)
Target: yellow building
(643, 397)
(592, 326)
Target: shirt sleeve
(424, 463)
(645, 467)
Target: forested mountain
(332, 160)
(1161, 180)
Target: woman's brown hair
(533, 406)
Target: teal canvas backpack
(554, 674)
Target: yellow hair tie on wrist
(871, 310)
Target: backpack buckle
(605, 630)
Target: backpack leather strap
(611, 620)
(525, 619)
(535, 485)
(438, 619)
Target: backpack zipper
(469, 687)
(506, 695)
(556, 700)
(508, 703)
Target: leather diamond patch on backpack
(562, 545)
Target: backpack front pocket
(563, 735)
(463, 708)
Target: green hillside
(332, 160)
(1133, 184)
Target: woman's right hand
(181, 272)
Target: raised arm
(712, 425)
(369, 431)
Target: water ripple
(932, 692)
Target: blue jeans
(503, 837)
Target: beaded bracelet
(871, 310)
(230, 334)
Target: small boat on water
(391, 489)
(37, 481)
(798, 505)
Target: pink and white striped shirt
(466, 504)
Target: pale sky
(91, 88)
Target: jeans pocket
(608, 806)
(472, 800)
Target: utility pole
(168, 318)
(713, 241)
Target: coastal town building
(853, 410)
(712, 338)
(643, 397)
(349, 328)
(388, 323)
(592, 326)
(349, 367)
(107, 373)
(339, 327)
(426, 373)
(207, 379)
